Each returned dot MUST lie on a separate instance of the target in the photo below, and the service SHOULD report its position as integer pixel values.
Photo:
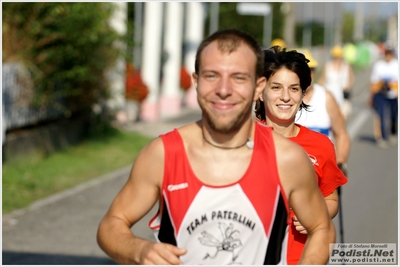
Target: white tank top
(336, 80)
(316, 118)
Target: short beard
(232, 126)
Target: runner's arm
(332, 205)
(307, 202)
(340, 134)
(321, 79)
(134, 201)
(351, 79)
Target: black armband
(343, 168)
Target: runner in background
(324, 114)
(338, 78)
(278, 42)
(383, 97)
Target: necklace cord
(224, 147)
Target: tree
(67, 47)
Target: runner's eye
(240, 77)
(209, 76)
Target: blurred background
(99, 62)
(86, 85)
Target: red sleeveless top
(245, 222)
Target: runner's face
(226, 86)
(282, 97)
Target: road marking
(358, 121)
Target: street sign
(261, 9)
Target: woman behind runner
(288, 77)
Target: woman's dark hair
(277, 58)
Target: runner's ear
(260, 86)
(194, 79)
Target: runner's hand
(298, 225)
(161, 254)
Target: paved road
(61, 229)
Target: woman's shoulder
(314, 135)
(315, 143)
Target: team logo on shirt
(229, 242)
(173, 187)
(313, 159)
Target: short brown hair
(229, 40)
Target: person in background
(324, 115)
(288, 76)
(223, 184)
(338, 78)
(278, 42)
(384, 97)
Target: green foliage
(348, 27)
(375, 30)
(32, 178)
(68, 48)
(317, 33)
(229, 18)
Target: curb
(9, 217)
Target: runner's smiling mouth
(222, 106)
(284, 106)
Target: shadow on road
(367, 138)
(23, 258)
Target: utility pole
(194, 31)
(170, 99)
(153, 16)
(337, 18)
(117, 74)
(358, 34)
(259, 9)
(214, 17)
(290, 24)
(137, 51)
(307, 33)
(327, 24)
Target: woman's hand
(298, 225)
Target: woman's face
(282, 97)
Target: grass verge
(31, 178)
